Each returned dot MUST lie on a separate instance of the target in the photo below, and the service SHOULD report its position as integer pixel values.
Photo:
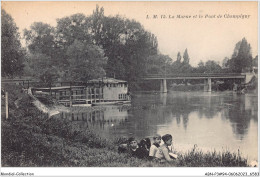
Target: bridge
(207, 77)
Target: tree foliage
(179, 57)
(95, 46)
(40, 38)
(126, 44)
(159, 64)
(85, 47)
(85, 61)
(179, 66)
(74, 27)
(42, 59)
(242, 58)
(12, 54)
(255, 61)
(186, 58)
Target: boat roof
(107, 80)
(59, 88)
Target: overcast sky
(205, 38)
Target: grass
(30, 139)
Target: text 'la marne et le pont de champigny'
(207, 16)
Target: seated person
(154, 147)
(132, 148)
(164, 153)
(123, 147)
(144, 146)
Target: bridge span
(207, 77)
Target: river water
(213, 121)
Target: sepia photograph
(133, 85)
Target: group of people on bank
(160, 152)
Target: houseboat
(95, 92)
(110, 91)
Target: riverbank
(31, 139)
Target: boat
(101, 91)
(81, 105)
(112, 103)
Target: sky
(207, 29)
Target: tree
(179, 57)
(125, 42)
(40, 38)
(43, 58)
(201, 67)
(12, 54)
(241, 60)
(74, 27)
(83, 47)
(255, 61)
(236, 50)
(225, 62)
(186, 58)
(159, 64)
(212, 67)
(41, 67)
(97, 20)
(86, 61)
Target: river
(213, 121)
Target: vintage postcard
(129, 85)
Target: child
(163, 154)
(155, 146)
(134, 149)
(145, 145)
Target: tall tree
(236, 50)
(179, 57)
(12, 54)
(241, 60)
(97, 20)
(186, 58)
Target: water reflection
(211, 120)
(100, 119)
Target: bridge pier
(207, 85)
(163, 99)
(163, 86)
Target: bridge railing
(191, 75)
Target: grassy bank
(30, 139)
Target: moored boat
(112, 103)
